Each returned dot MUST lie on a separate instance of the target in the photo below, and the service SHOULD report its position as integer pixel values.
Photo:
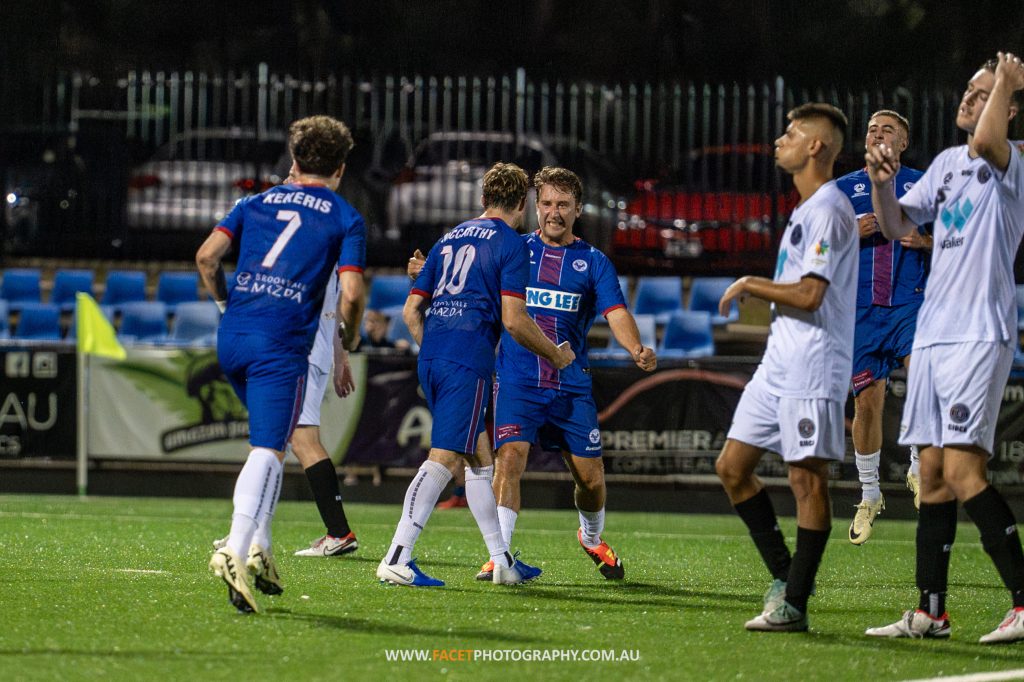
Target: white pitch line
(148, 571)
(1017, 674)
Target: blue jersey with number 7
(467, 272)
(290, 239)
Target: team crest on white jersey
(579, 265)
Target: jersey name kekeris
(979, 219)
(568, 286)
(810, 354)
(290, 241)
(466, 273)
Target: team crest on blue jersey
(507, 431)
(797, 235)
(907, 186)
(579, 265)
(959, 413)
(595, 436)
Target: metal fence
(622, 135)
(645, 127)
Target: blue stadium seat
(173, 288)
(21, 286)
(38, 322)
(144, 322)
(624, 286)
(194, 324)
(124, 286)
(645, 324)
(67, 283)
(658, 296)
(687, 335)
(5, 320)
(1020, 307)
(706, 292)
(398, 331)
(388, 294)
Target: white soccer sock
(592, 524)
(507, 520)
(480, 496)
(253, 492)
(915, 461)
(867, 471)
(262, 537)
(420, 498)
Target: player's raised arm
(526, 332)
(805, 294)
(625, 331)
(990, 139)
(211, 269)
(883, 165)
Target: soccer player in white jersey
(963, 347)
(794, 403)
(305, 443)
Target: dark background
(862, 43)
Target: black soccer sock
(810, 546)
(936, 531)
(759, 515)
(1000, 538)
(323, 481)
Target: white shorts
(316, 384)
(954, 391)
(796, 428)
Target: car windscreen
(232, 149)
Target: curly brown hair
(505, 186)
(319, 144)
(561, 179)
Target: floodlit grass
(117, 588)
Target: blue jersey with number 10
(467, 272)
(290, 238)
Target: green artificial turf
(117, 588)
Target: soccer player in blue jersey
(965, 340)
(570, 283)
(290, 239)
(890, 290)
(474, 280)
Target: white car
(441, 185)
(195, 179)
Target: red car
(715, 216)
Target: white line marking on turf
(978, 677)
(150, 571)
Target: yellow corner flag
(95, 333)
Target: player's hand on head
(867, 225)
(645, 359)
(415, 265)
(344, 384)
(1011, 69)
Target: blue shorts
(269, 379)
(882, 337)
(457, 397)
(561, 420)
